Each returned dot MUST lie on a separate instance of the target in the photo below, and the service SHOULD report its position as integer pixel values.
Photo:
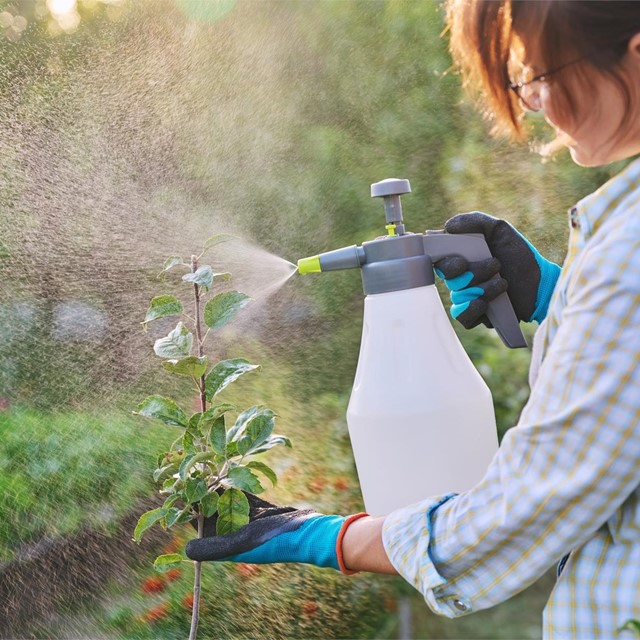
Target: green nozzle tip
(309, 265)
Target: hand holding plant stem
(204, 472)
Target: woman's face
(592, 130)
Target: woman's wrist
(361, 547)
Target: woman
(565, 484)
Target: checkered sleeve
(562, 471)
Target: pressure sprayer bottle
(420, 417)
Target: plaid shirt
(565, 483)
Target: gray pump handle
(473, 247)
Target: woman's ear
(633, 49)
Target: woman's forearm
(362, 548)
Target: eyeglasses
(528, 91)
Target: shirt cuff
(406, 536)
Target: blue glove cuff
(314, 542)
(549, 274)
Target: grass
(61, 471)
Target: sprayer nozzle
(309, 265)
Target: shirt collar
(590, 212)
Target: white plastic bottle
(420, 417)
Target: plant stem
(195, 612)
(196, 289)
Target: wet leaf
(193, 423)
(177, 344)
(261, 467)
(203, 277)
(256, 432)
(224, 373)
(221, 309)
(188, 443)
(190, 366)
(172, 261)
(242, 478)
(162, 306)
(168, 485)
(273, 441)
(211, 415)
(185, 466)
(193, 459)
(172, 516)
(168, 561)
(163, 472)
(244, 424)
(163, 409)
(146, 521)
(195, 490)
(218, 436)
(218, 238)
(209, 504)
(233, 512)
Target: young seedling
(206, 469)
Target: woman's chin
(585, 159)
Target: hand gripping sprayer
(420, 417)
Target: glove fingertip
(471, 222)
(451, 267)
(472, 315)
(193, 549)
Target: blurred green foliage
(60, 472)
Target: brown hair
(484, 33)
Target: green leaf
(218, 238)
(163, 409)
(170, 501)
(146, 521)
(172, 516)
(220, 310)
(185, 466)
(209, 504)
(176, 345)
(193, 423)
(163, 472)
(245, 424)
(218, 436)
(162, 564)
(193, 459)
(211, 415)
(243, 478)
(261, 467)
(195, 490)
(224, 373)
(203, 277)
(273, 441)
(185, 517)
(233, 512)
(162, 306)
(631, 625)
(172, 261)
(257, 431)
(188, 443)
(190, 366)
(168, 486)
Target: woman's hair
(486, 33)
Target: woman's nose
(530, 94)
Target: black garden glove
(276, 534)
(528, 277)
